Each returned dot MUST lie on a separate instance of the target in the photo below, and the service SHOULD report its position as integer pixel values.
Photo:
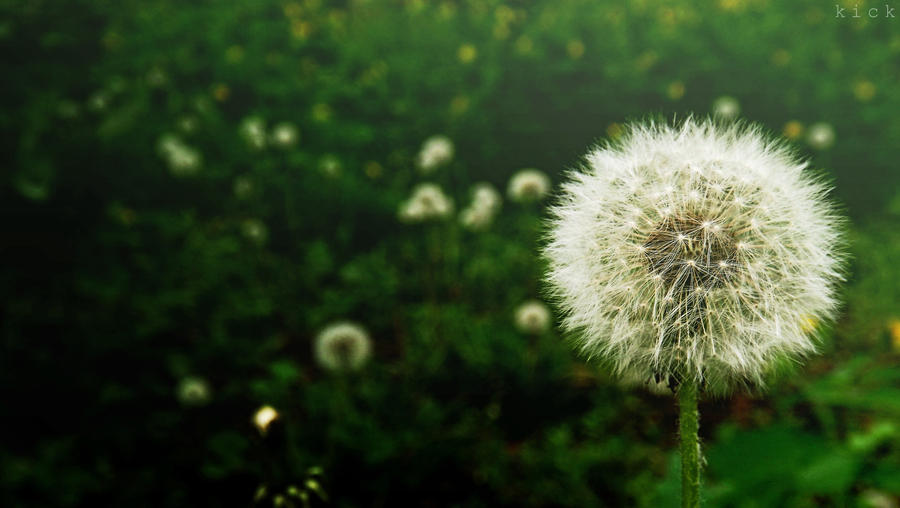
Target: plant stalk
(688, 425)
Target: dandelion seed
(729, 288)
(528, 185)
(342, 347)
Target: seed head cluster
(694, 252)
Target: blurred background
(284, 253)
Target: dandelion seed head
(820, 136)
(481, 211)
(264, 417)
(193, 391)
(342, 347)
(726, 107)
(533, 317)
(427, 202)
(284, 135)
(253, 130)
(722, 285)
(528, 185)
(436, 151)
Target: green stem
(689, 424)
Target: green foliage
(125, 273)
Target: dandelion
(726, 107)
(427, 202)
(253, 130)
(533, 317)
(480, 213)
(182, 159)
(264, 417)
(193, 391)
(820, 136)
(284, 135)
(255, 230)
(436, 151)
(342, 347)
(330, 166)
(694, 255)
(528, 185)
(243, 187)
(188, 124)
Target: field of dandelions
(287, 253)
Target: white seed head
(528, 185)
(485, 204)
(264, 417)
(820, 136)
(533, 317)
(436, 151)
(182, 159)
(726, 107)
(255, 230)
(253, 130)
(342, 347)
(193, 391)
(284, 135)
(427, 202)
(720, 289)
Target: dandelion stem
(689, 424)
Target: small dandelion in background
(820, 136)
(697, 256)
(188, 124)
(264, 417)
(255, 230)
(284, 135)
(253, 130)
(485, 204)
(342, 347)
(528, 185)
(533, 317)
(243, 187)
(182, 159)
(793, 130)
(726, 107)
(193, 391)
(436, 151)
(330, 166)
(427, 202)
(98, 102)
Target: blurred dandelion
(427, 202)
(726, 107)
(255, 230)
(330, 166)
(820, 136)
(533, 317)
(182, 159)
(694, 255)
(243, 187)
(193, 391)
(264, 417)
(284, 135)
(342, 347)
(436, 151)
(485, 204)
(528, 185)
(253, 130)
